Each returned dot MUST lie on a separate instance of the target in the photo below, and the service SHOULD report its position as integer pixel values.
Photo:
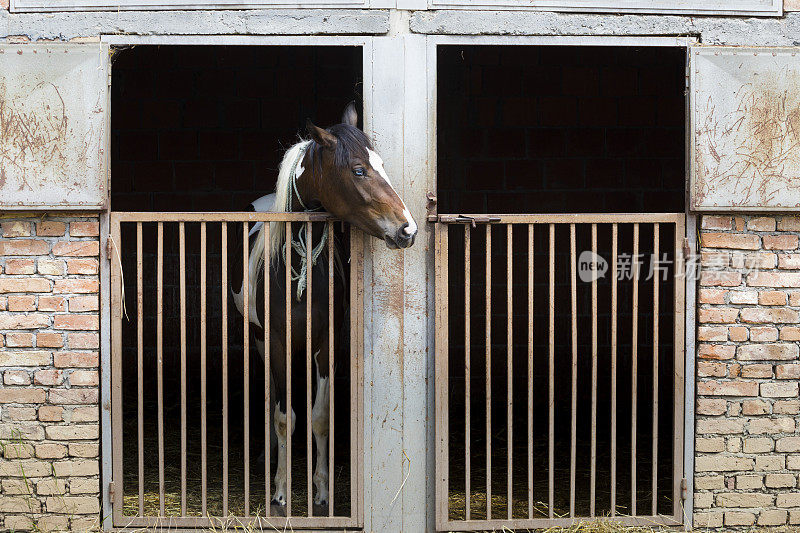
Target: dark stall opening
(203, 129)
(562, 130)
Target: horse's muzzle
(400, 240)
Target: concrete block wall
(747, 427)
(49, 370)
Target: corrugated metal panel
(53, 126)
(745, 128)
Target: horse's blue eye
(358, 171)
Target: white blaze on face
(376, 162)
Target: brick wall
(748, 434)
(49, 357)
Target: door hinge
(684, 489)
(112, 490)
(109, 247)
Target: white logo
(591, 266)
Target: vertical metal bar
(593, 453)
(309, 457)
(182, 283)
(267, 370)
(509, 367)
(551, 378)
(442, 372)
(530, 371)
(140, 361)
(488, 371)
(160, 363)
(288, 310)
(203, 376)
(574, 425)
(357, 374)
(634, 361)
(331, 418)
(224, 368)
(467, 374)
(614, 233)
(656, 275)
(679, 385)
(246, 360)
(114, 312)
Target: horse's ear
(350, 115)
(320, 136)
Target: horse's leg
(320, 423)
(280, 423)
(273, 442)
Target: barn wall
(748, 436)
(49, 356)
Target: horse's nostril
(405, 229)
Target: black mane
(351, 141)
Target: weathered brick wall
(747, 429)
(49, 357)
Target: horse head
(349, 180)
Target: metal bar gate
(550, 471)
(130, 488)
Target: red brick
(77, 248)
(727, 388)
(78, 286)
(52, 303)
(711, 369)
(49, 339)
(711, 296)
(772, 298)
(83, 266)
(51, 413)
(76, 359)
(737, 333)
(76, 322)
(73, 396)
(772, 315)
(717, 222)
(708, 333)
(48, 376)
(24, 247)
(24, 285)
(19, 339)
(84, 229)
(737, 241)
(787, 371)
(26, 321)
(767, 352)
(84, 303)
(717, 351)
(84, 378)
(789, 223)
(16, 228)
(20, 395)
(774, 279)
(761, 224)
(780, 242)
(51, 228)
(22, 303)
(16, 377)
(20, 266)
(83, 340)
(724, 315)
(717, 278)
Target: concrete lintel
(67, 26)
(750, 31)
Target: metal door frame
(356, 297)
(443, 522)
(106, 255)
(433, 41)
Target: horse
(337, 170)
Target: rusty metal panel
(53, 126)
(744, 128)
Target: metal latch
(109, 247)
(112, 490)
(684, 489)
(463, 219)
